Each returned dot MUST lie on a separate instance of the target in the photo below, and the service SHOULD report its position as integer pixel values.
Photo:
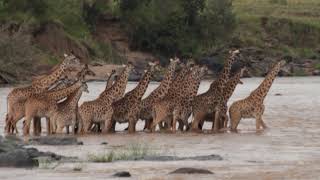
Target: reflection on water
(287, 147)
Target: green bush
(178, 27)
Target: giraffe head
(84, 87)
(203, 71)
(242, 70)
(84, 72)
(154, 66)
(282, 62)
(71, 62)
(174, 60)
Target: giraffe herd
(55, 97)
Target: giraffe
(66, 114)
(44, 104)
(252, 106)
(173, 92)
(99, 110)
(227, 93)
(162, 110)
(204, 104)
(127, 108)
(111, 77)
(19, 109)
(183, 108)
(18, 96)
(148, 102)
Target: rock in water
(191, 171)
(13, 154)
(55, 140)
(122, 174)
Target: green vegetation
(284, 27)
(193, 28)
(184, 28)
(130, 152)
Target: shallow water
(288, 149)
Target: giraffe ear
(145, 71)
(236, 51)
(123, 65)
(65, 55)
(152, 64)
(171, 60)
(282, 62)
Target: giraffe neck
(118, 88)
(61, 94)
(177, 82)
(191, 83)
(46, 82)
(261, 92)
(109, 81)
(163, 88)
(74, 98)
(141, 88)
(223, 76)
(230, 86)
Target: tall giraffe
(252, 106)
(127, 109)
(111, 78)
(173, 92)
(18, 96)
(183, 108)
(204, 104)
(99, 110)
(148, 102)
(162, 110)
(227, 93)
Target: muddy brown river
(288, 149)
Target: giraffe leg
(174, 121)
(132, 125)
(36, 126)
(235, 118)
(215, 124)
(198, 117)
(27, 123)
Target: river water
(288, 149)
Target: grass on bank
(130, 152)
(280, 27)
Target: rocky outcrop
(14, 154)
(191, 171)
(55, 140)
(122, 174)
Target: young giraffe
(227, 93)
(44, 104)
(99, 110)
(148, 102)
(252, 106)
(162, 110)
(19, 109)
(203, 104)
(183, 108)
(66, 114)
(127, 109)
(18, 96)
